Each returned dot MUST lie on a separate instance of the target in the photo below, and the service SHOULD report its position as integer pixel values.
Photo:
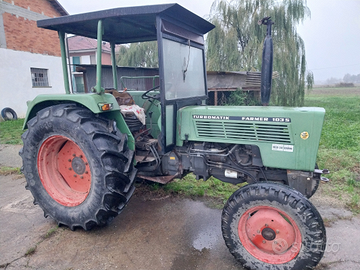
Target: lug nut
(75, 175)
(69, 160)
(264, 241)
(70, 169)
(277, 231)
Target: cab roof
(128, 24)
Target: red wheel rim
(64, 170)
(269, 235)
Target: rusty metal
(159, 179)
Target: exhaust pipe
(267, 62)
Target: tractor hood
(279, 132)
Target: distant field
(334, 91)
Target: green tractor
(82, 154)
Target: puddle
(206, 239)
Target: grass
(30, 251)
(339, 149)
(50, 232)
(10, 131)
(215, 191)
(9, 170)
(47, 235)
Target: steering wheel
(146, 96)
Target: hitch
(324, 171)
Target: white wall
(15, 78)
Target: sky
(331, 35)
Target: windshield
(183, 70)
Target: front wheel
(270, 226)
(77, 166)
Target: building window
(76, 61)
(39, 77)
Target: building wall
(16, 84)
(21, 33)
(39, 6)
(106, 59)
(24, 46)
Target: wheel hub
(78, 165)
(268, 234)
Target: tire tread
(116, 192)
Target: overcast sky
(331, 35)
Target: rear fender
(91, 101)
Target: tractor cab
(182, 75)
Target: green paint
(169, 114)
(280, 143)
(100, 33)
(64, 63)
(90, 101)
(122, 126)
(114, 68)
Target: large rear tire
(77, 166)
(270, 226)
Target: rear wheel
(270, 226)
(77, 166)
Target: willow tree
(237, 41)
(142, 54)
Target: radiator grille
(267, 132)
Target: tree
(237, 41)
(348, 78)
(144, 54)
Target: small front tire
(270, 226)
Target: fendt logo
(243, 118)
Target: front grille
(277, 133)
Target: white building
(30, 62)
